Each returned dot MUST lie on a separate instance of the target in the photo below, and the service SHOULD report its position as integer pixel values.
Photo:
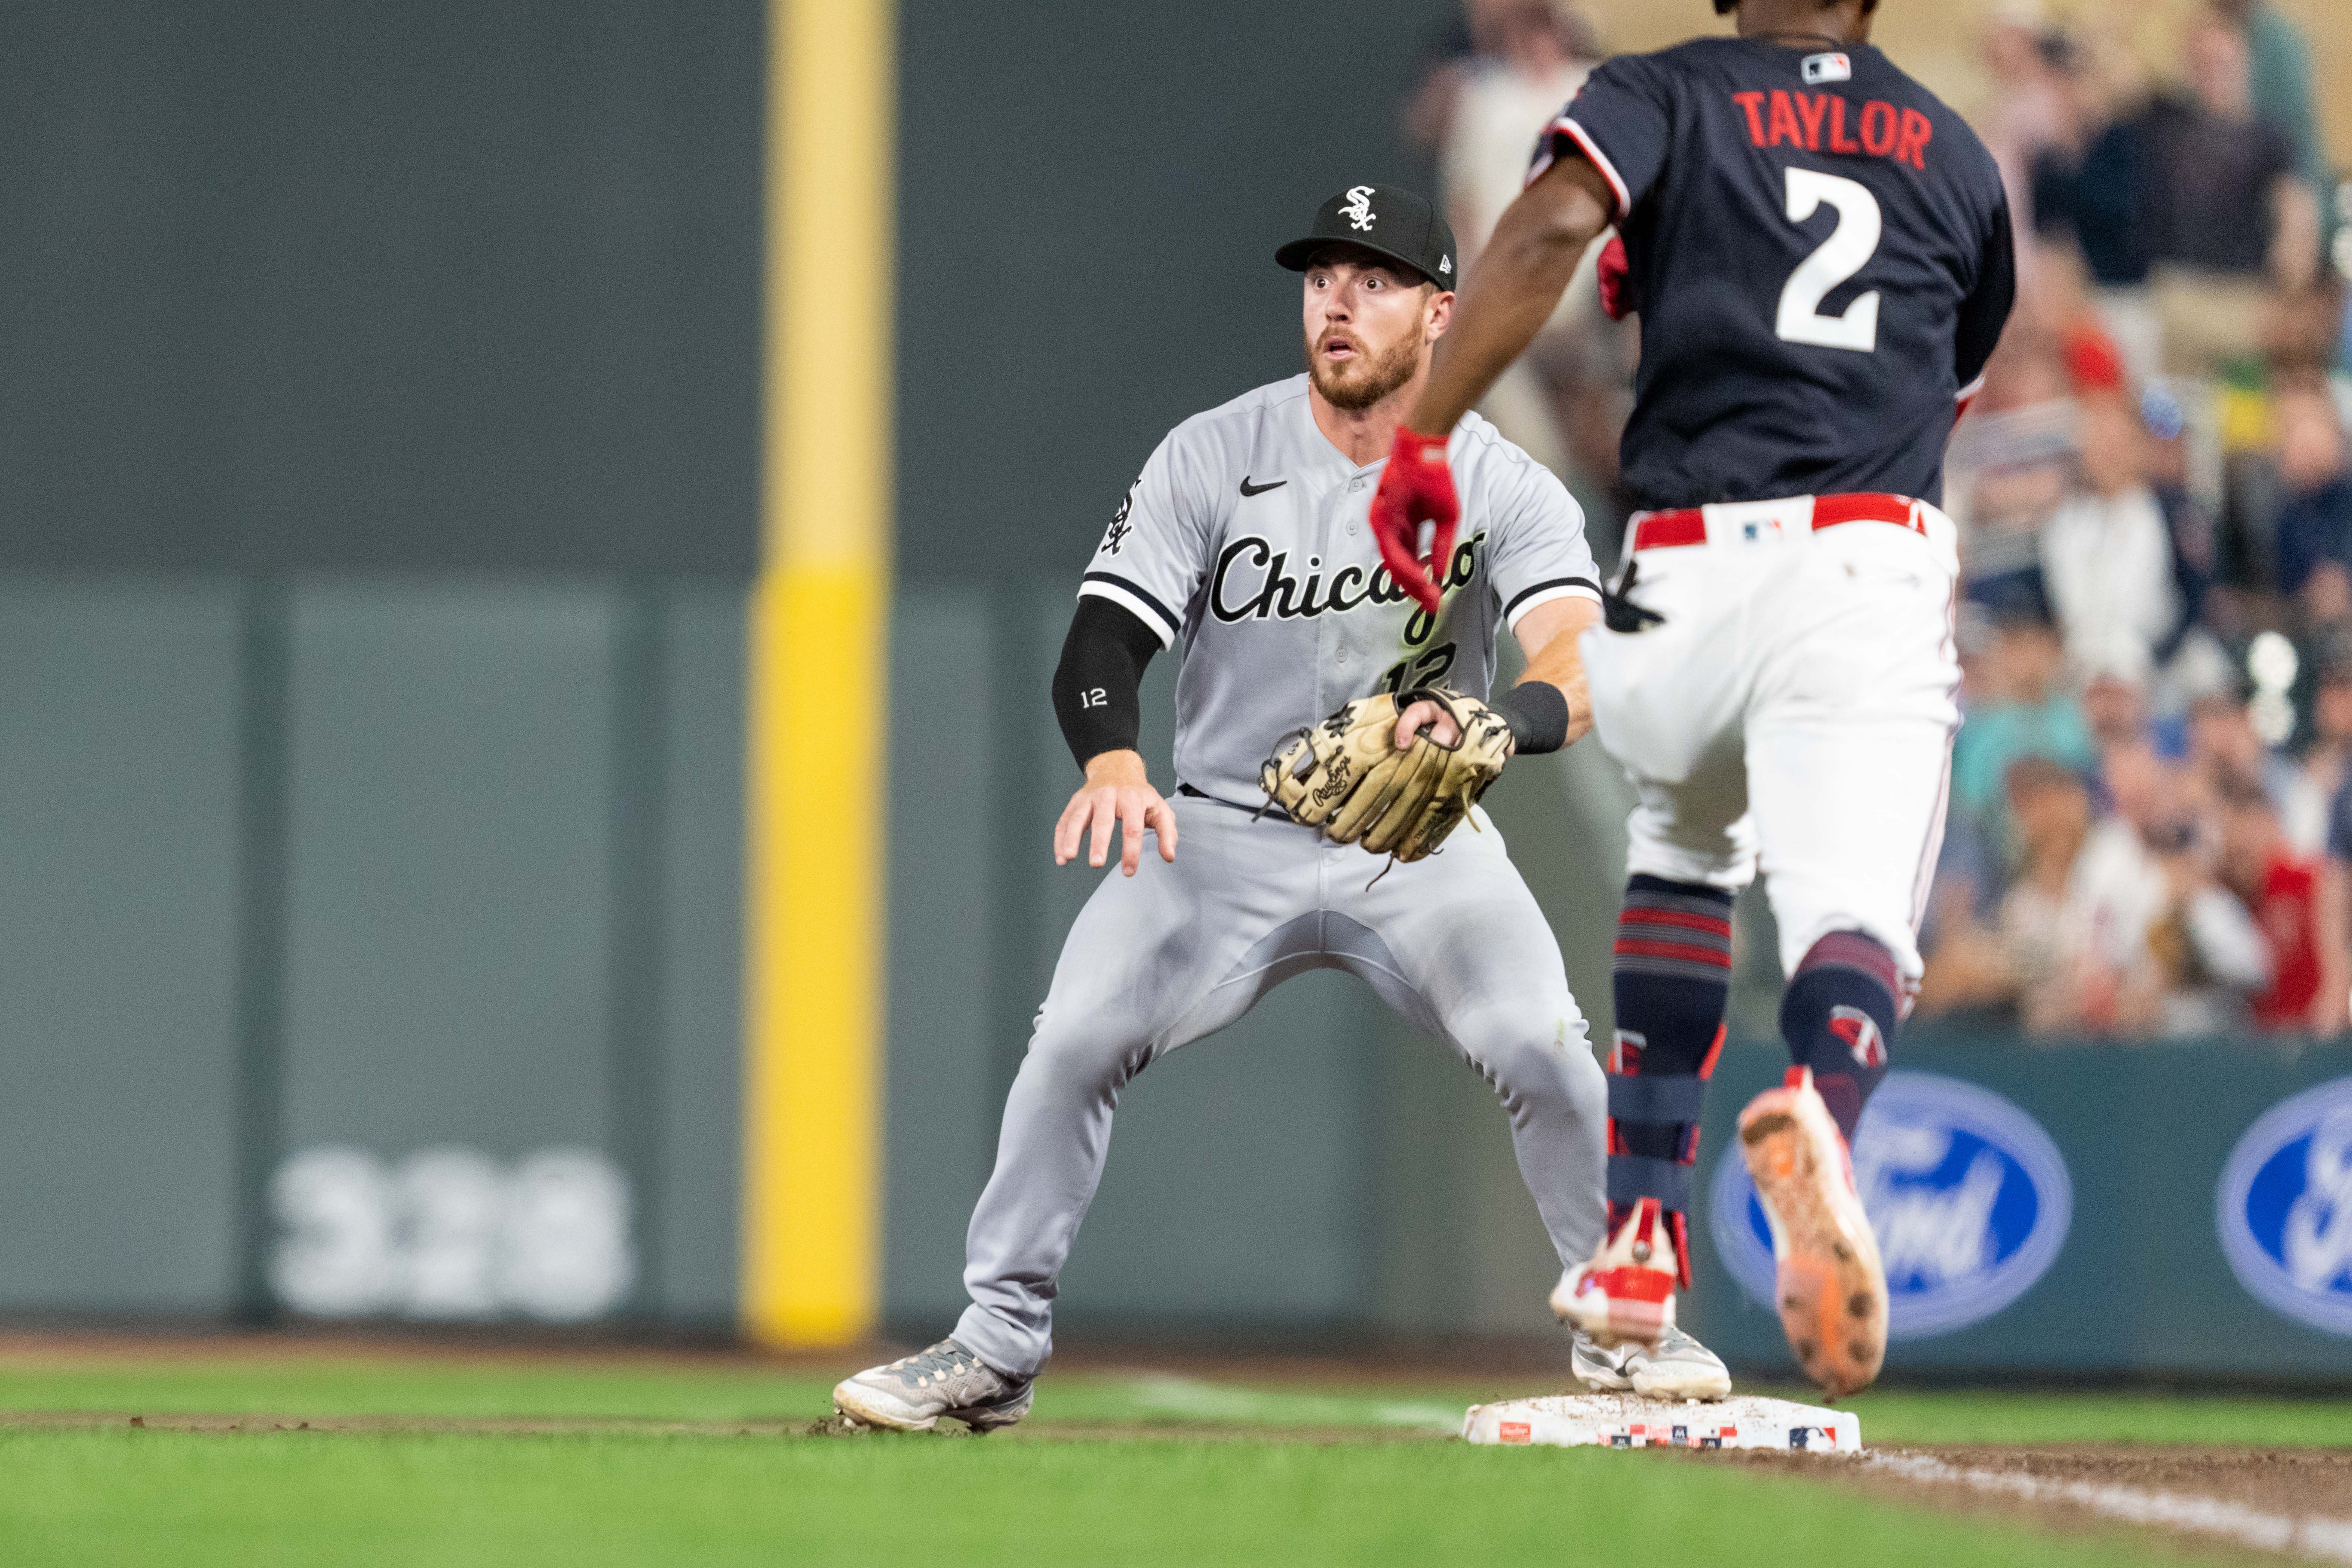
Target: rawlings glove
(1346, 777)
(1416, 488)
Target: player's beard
(1368, 378)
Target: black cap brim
(1299, 254)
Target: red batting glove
(1616, 279)
(1416, 488)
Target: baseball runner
(1819, 252)
(1247, 541)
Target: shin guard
(1672, 975)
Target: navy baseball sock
(1838, 1017)
(1673, 975)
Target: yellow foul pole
(812, 1208)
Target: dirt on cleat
(1829, 1288)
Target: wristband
(1537, 712)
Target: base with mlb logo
(1621, 1421)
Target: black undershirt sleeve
(1098, 683)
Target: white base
(1628, 1421)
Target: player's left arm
(1549, 634)
(1550, 707)
(1984, 314)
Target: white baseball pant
(1793, 713)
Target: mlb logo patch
(1516, 1432)
(1819, 69)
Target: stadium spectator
(2314, 521)
(2006, 472)
(2091, 190)
(2076, 923)
(1538, 58)
(2107, 556)
(2229, 217)
(2279, 81)
(2115, 680)
(2189, 524)
(2028, 112)
(2147, 882)
(2281, 888)
(2322, 769)
(2016, 707)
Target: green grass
(1330, 1475)
(190, 1501)
(567, 1389)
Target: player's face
(1369, 329)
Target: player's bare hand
(1430, 716)
(1117, 803)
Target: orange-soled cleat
(1627, 1291)
(1830, 1287)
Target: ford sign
(2285, 1207)
(1966, 1194)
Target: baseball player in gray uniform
(1245, 539)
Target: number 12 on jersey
(1845, 252)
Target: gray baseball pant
(1454, 943)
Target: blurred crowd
(2150, 821)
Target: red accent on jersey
(1616, 280)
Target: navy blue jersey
(1819, 250)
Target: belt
(1660, 529)
(1268, 809)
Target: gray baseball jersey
(1247, 537)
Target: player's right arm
(1594, 164)
(1148, 567)
(1097, 697)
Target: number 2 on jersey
(1845, 252)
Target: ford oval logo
(1966, 1193)
(2285, 1207)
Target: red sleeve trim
(1564, 126)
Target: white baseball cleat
(1627, 1291)
(1676, 1367)
(911, 1393)
(1830, 1287)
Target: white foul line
(2330, 1540)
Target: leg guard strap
(1653, 1133)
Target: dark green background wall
(378, 420)
(435, 285)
